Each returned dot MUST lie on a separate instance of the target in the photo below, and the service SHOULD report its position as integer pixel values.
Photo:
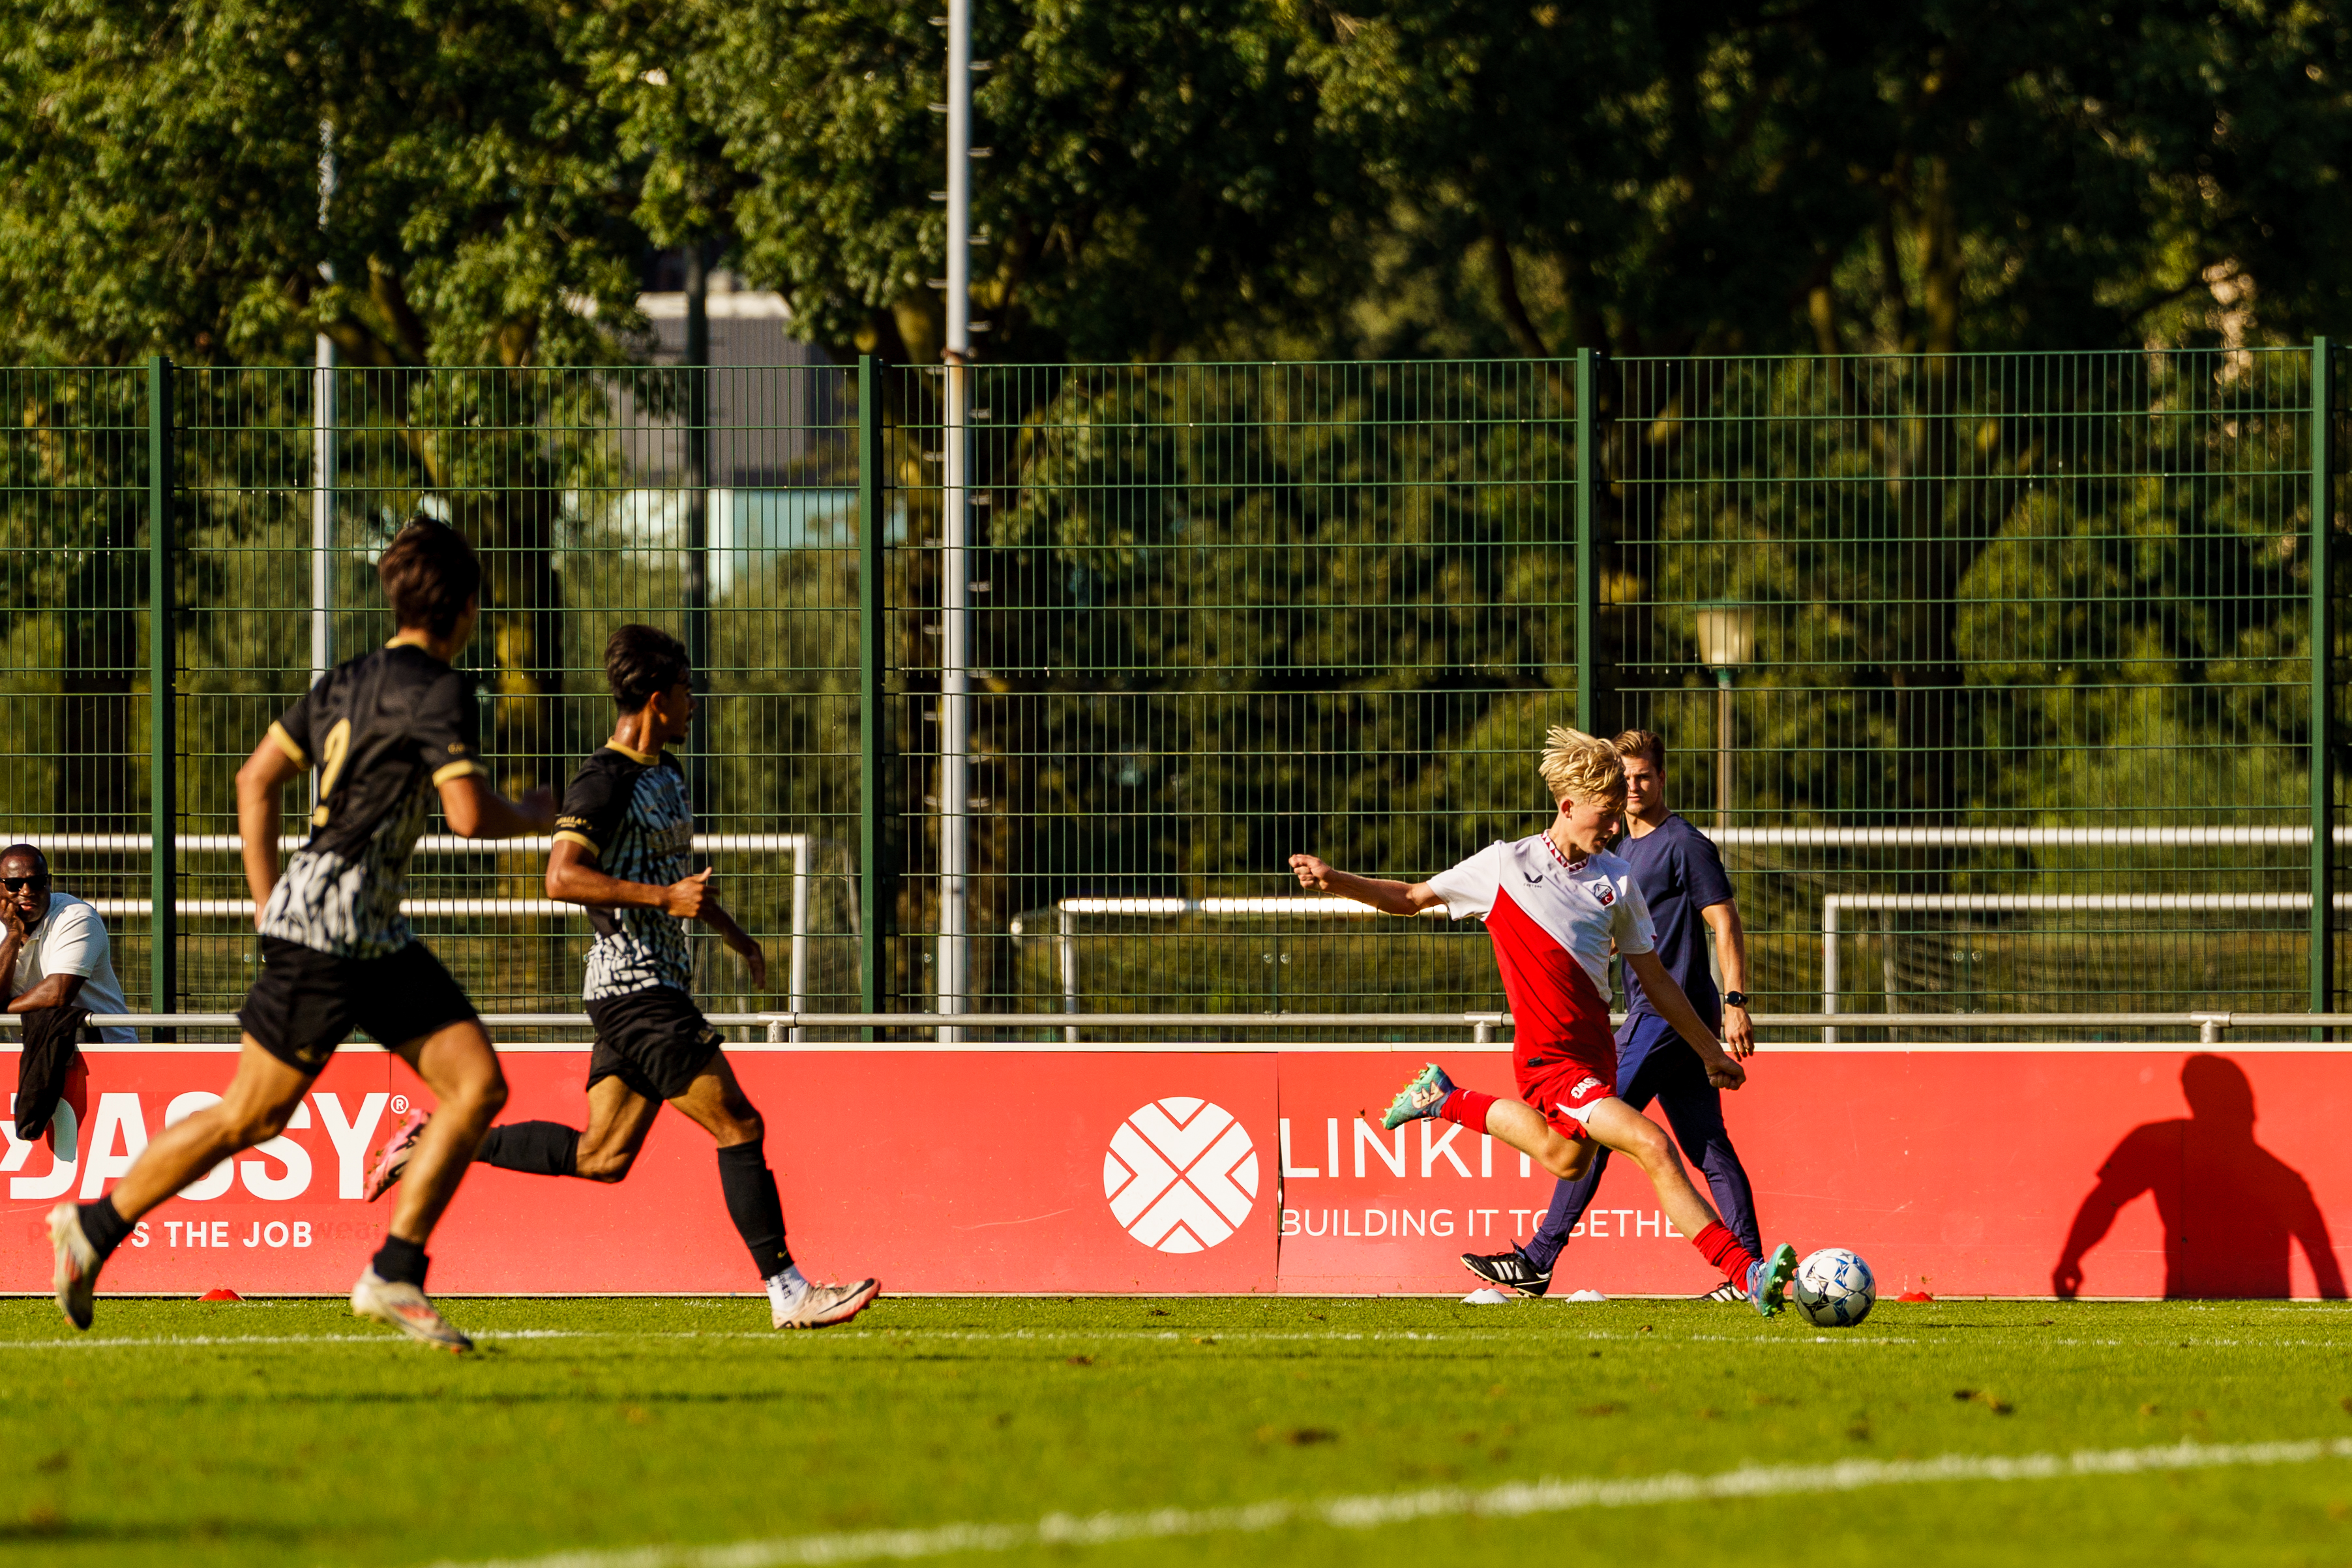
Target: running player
(388, 733)
(1685, 889)
(623, 842)
(1553, 903)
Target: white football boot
(793, 1302)
(405, 1308)
(75, 1277)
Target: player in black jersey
(624, 846)
(389, 733)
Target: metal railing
(1405, 1032)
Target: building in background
(781, 444)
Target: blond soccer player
(1555, 904)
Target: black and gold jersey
(630, 810)
(384, 731)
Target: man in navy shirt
(1681, 877)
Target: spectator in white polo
(53, 946)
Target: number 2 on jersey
(333, 755)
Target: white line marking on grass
(915, 1338)
(182, 1342)
(1515, 1499)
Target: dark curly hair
(640, 663)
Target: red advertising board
(1236, 1171)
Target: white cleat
(74, 1277)
(405, 1308)
(820, 1306)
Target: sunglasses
(16, 883)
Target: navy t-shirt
(1679, 873)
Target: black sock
(400, 1262)
(752, 1203)
(106, 1228)
(541, 1148)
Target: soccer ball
(1834, 1289)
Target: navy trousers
(1654, 1063)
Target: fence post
(2323, 641)
(1588, 555)
(163, 681)
(873, 717)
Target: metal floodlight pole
(694, 570)
(954, 964)
(162, 692)
(323, 451)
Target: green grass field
(286, 1431)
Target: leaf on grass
(1082, 1360)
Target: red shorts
(1565, 1088)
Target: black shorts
(305, 1001)
(654, 1041)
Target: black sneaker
(1512, 1270)
(1727, 1292)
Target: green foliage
(1719, 177)
(1231, 174)
(161, 165)
(1154, 174)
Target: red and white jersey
(1553, 921)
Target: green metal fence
(1997, 677)
(591, 497)
(1993, 675)
(1224, 613)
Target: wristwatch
(1735, 999)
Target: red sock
(1722, 1248)
(1468, 1107)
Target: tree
(161, 169)
(1152, 175)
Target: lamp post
(954, 964)
(1727, 639)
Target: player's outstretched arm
(258, 782)
(1388, 896)
(1666, 996)
(475, 810)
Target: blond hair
(1581, 767)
